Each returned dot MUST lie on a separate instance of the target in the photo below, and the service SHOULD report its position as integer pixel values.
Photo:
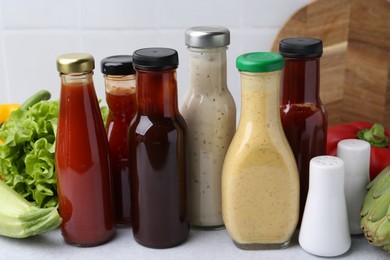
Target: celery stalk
(19, 218)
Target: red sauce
(158, 162)
(122, 104)
(82, 164)
(303, 116)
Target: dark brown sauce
(157, 159)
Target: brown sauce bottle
(304, 117)
(157, 153)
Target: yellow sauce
(260, 183)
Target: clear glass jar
(260, 184)
(210, 114)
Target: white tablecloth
(200, 245)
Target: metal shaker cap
(207, 37)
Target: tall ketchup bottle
(82, 156)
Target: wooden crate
(355, 66)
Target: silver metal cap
(207, 37)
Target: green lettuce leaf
(27, 154)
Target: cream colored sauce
(210, 114)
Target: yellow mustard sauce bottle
(260, 182)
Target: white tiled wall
(34, 32)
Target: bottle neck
(119, 84)
(79, 79)
(208, 70)
(78, 99)
(157, 93)
(260, 99)
(120, 96)
(300, 79)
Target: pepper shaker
(325, 230)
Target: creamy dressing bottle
(260, 183)
(210, 114)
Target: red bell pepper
(375, 134)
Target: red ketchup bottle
(82, 156)
(157, 153)
(303, 115)
(119, 77)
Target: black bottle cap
(155, 58)
(117, 65)
(300, 47)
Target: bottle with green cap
(82, 156)
(260, 183)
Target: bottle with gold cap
(82, 156)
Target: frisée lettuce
(27, 162)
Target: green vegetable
(39, 96)
(19, 218)
(375, 212)
(104, 111)
(27, 153)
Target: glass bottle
(157, 152)
(210, 114)
(119, 77)
(304, 117)
(260, 184)
(82, 156)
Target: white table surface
(200, 245)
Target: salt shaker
(356, 156)
(325, 230)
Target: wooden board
(355, 66)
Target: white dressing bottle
(210, 114)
